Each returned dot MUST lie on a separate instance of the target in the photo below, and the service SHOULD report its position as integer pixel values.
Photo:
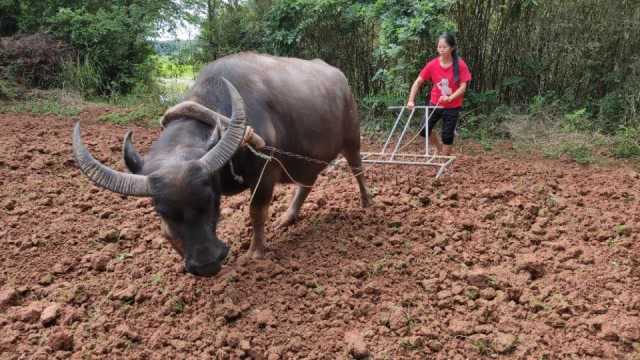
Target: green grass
(141, 114)
(40, 107)
(627, 142)
(145, 105)
(581, 153)
(570, 137)
(168, 68)
(17, 99)
(178, 306)
(482, 346)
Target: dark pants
(449, 121)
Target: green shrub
(144, 105)
(627, 142)
(8, 90)
(84, 77)
(111, 37)
(375, 113)
(485, 101)
(32, 59)
(580, 153)
(577, 121)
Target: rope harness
(273, 150)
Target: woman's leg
(449, 121)
(434, 142)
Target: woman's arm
(455, 95)
(415, 88)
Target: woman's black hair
(451, 41)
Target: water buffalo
(299, 106)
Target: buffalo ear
(132, 159)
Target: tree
(112, 38)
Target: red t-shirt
(443, 83)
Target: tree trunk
(211, 19)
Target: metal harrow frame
(395, 157)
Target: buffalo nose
(207, 269)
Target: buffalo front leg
(259, 213)
(292, 213)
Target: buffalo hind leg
(293, 211)
(355, 163)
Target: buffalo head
(186, 193)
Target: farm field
(508, 257)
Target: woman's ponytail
(451, 41)
(456, 66)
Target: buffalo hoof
(252, 255)
(285, 221)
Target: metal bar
(398, 162)
(426, 132)
(415, 107)
(395, 125)
(404, 131)
(410, 155)
(426, 127)
(443, 168)
(427, 118)
(435, 160)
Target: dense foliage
(578, 56)
(111, 37)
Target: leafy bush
(111, 37)
(169, 67)
(33, 60)
(485, 101)
(407, 37)
(577, 121)
(340, 32)
(580, 153)
(144, 105)
(84, 76)
(8, 90)
(627, 142)
(375, 113)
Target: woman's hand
(411, 104)
(445, 99)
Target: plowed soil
(504, 257)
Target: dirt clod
(532, 264)
(265, 318)
(505, 343)
(109, 236)
(30, 313)
(355, 344)
(8, 297)
(50, 314)
(61, 340)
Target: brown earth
(515, 258)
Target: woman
(449, 75)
